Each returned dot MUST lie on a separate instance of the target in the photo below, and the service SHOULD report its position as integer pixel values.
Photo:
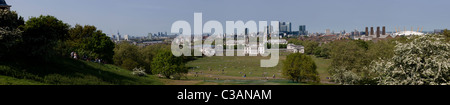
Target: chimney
(371, 31)
(378, 31)
(367, 31)
(384, 30)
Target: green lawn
(67, 71)
(233, 67)
(322, 67)
(209, 71)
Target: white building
(296, 48)
(126, 37)
(408, 33)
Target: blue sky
(139, 17)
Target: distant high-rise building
(285, 27)
(3, 5)
(384, 31)
(149, 36)
(302, 30)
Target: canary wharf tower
(3, 5)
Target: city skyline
(140, 17)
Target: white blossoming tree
(423, 60)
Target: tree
(41, 34)
(89, 41)
(126, 55)
(446, 33)
(129, 64)
(148, 53)
(10, 34)
(10, 19)
(310, 47)
(423, 61)
(167, 64)
(300, 67)
(349, 57)
(325, 51)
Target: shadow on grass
(66, 71)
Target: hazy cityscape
(324, 43)
(224, 51)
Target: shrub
(300, 67)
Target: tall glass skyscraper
(302, 30)
(285, 27)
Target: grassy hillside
(65, 71)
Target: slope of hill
(65, 71)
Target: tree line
(406, 60)
(45, 38)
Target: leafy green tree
(317, 51)
(167, 64)
(349, 58)
(10, 34)
(10, 19)
(41, 34)
(300, 67)
(325, 51)
(347, 55)
(382, 49)
(87, 39)
(361, 43)
(148, 53)
(423, 61)
(129, 64)
(310, 47)
(446, 34)
(126, 55)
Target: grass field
(233, 67)
(322, 67)
(67, 71)
(208, 71)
